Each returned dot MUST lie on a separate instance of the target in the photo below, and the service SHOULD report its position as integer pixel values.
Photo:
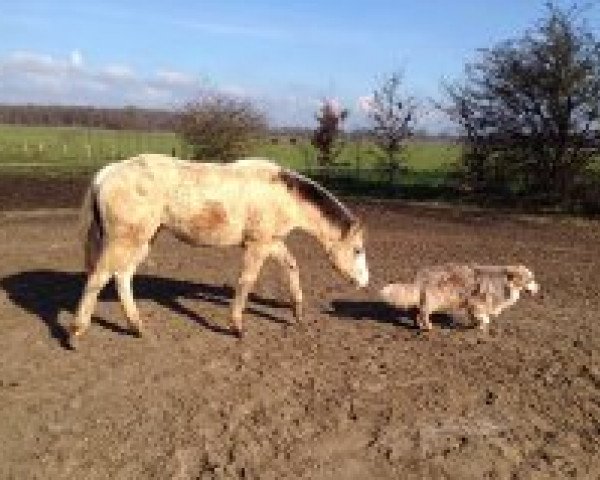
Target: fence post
(306, 166)
(357, 160)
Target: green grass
(59, 150)
(78, 147)
(425, 156)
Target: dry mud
(352, 393)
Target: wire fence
(355, 174)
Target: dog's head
(521, 278)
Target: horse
(253, 203)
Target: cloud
(365, 103)
(30, 77)
(173, 78)
(76, 59)
(118, 74)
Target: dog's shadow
(383, 313)
(47, 293)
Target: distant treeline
(126, 118)
(142, 119)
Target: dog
(480, 291)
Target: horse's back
(203, 202)
(134, 191)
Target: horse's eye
(357, 250)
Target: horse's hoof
(423, 329)
(139, 332)
(72, 342)
(298, 312)
(237, 333)
(74, 331)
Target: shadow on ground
(381, 312)
(47, 293)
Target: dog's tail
(401, 295)
(92, 228)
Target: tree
(529, 108)
(221, 127)
(326, 137)
(392, 116)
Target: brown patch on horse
(131, 233)
(211, 216)
(311, 192)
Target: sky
(286, 55)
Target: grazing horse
(252, 203)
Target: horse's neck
(317, 225)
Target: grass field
(70, 149)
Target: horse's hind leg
(281, 253)
(118, 258)
(96, 281)
(124, 277)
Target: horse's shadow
(383, 313)
(47, 293)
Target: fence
(380, 182)
(77, 151)
(77, 148)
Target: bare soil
(355, 392)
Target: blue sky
(285, 54)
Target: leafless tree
(392, 115)
(221, 127)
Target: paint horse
(252, 203)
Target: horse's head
(348, 256)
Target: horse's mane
(311, 192)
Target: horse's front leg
(254, 257)
(287, 261)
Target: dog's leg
(484, 321)
(425, 310)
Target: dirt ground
(353, 393)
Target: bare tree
(221, 127)
(392, 116)
(529, 108)
(326, 137)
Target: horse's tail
(401, 295)
(92, 228)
